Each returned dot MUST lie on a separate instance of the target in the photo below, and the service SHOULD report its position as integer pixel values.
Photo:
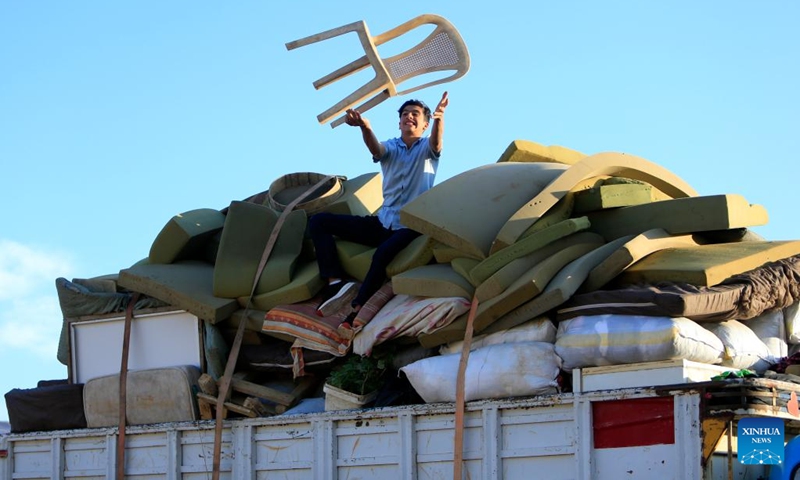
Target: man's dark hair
(416, 103)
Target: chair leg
(348, 69)
(377, 99)
(359, 26)
(379, 83)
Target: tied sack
(494, 371)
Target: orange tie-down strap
(225, 384)
(458, 448)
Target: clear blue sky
(115, 116)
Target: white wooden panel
(157, 340)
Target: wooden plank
(205, 408)
(248, 412)
(209, 400)
(207, 384)
(260, 391)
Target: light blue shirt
(407, 173)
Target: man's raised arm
(437, 131)
(354, 119)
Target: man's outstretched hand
(438, 114)
(354, 119)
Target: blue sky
(115, 116)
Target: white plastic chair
(442, 50)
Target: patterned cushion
(373, 306)
(408, 316)
(312, 332)
(300, 320)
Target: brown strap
(458, 448)
(224, 387)
(123, 385)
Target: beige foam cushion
(527, 151)
(286, 189)
(559, 289)
(561, 211)
(523, 289)
(462, 266)
(524, 246)
(247, 230)
(362, 195)
(185, 236)
(355, 258)
(466, 211)
(438, 280)
(186, 285)
(305, 284)
(613, 164)
(612, 195)
(680, 216)
(504, 277)
(707, 265)
(418, 253)
(445, 253)
(631, 252)
(528, 285)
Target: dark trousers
(364, 230)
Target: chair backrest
(442, 50)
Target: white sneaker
(338, 296)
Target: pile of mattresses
(563, 260)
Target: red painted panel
(633, 423)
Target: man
(408, 165)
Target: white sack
(743, 348)
(495, 371)
(791, 317)
(539, 329)
(599, 340)
(771, 329)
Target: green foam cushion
(438, 280)
(305, 284)
(185, 284)
(244, 237)
(185, 236)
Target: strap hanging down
(224, 387)
(458, 448)
(123, 385)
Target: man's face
(412, 120)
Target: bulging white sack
(495, 371)
(539, 329)
(743, 348)
(599, 340)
